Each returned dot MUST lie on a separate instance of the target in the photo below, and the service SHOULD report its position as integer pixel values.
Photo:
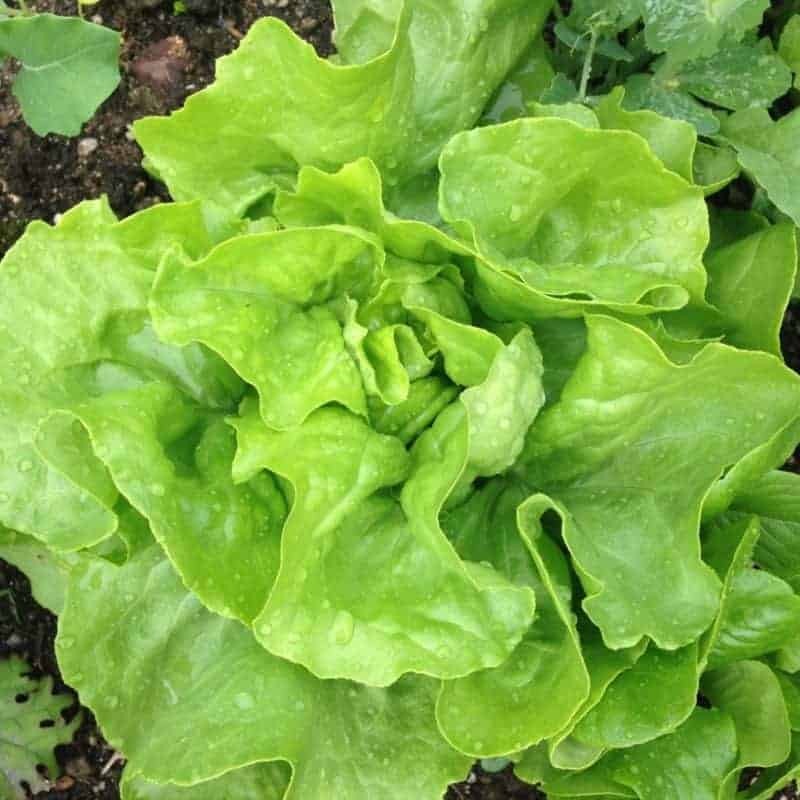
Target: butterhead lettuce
(403, 438)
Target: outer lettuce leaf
(595, 224)
(692, 762)
(266, 304)
(372, 607)
(628, 457)
(83, 287)
(714, 167)
(750, 692)
(192, 678)
(759, 613)
(45, 570)
(544, 681)
(672, 140)
(235, 141)
(775, 778)
(644, 702)
(223, 538)
(767, 150)
(605, 666)
(265, 781)
(776, 500)
(751, 282)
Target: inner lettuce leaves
(431, 423)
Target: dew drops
(342, 628)
(483, 24)
(26, 465)
(158, 489)
(515, 215)
(244, 701)
(112, 701)
(299, 706)
(66, 642)
(4, 497)
(266, 629)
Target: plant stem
(586, 73)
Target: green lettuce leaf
(750, 692)
(767, 151)
(276, 324)
(672, 140)
(595, 224)
(44, 569)
(630, 494)
(398, 108)
(193, 678)
(759, 613)
(751, 282)
(543, 682)
(396, 626)
(775, 498)
(692, 762)
(84, 284)
(223, 538)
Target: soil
(165, 57)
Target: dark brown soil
(43, 177)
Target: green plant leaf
(364, 28)
(759, 613)
(617, 485)
(688, 29)
(737, 77)
(714, 167)
(223, 538)
(266, 781)
(672, 140)
(751, 281)
(776, 500)
(566, 226)
(275, 325)
(644, 702)
(24, 742)
(789, 46)
(536, 691)
(46, 572)
(68, 67)
(646, 92)
(750, 692)
(693, 761)
(767, 151)
(395, 631)
(405, 94)
(526, 83)
(84, 285)
(182, 662)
